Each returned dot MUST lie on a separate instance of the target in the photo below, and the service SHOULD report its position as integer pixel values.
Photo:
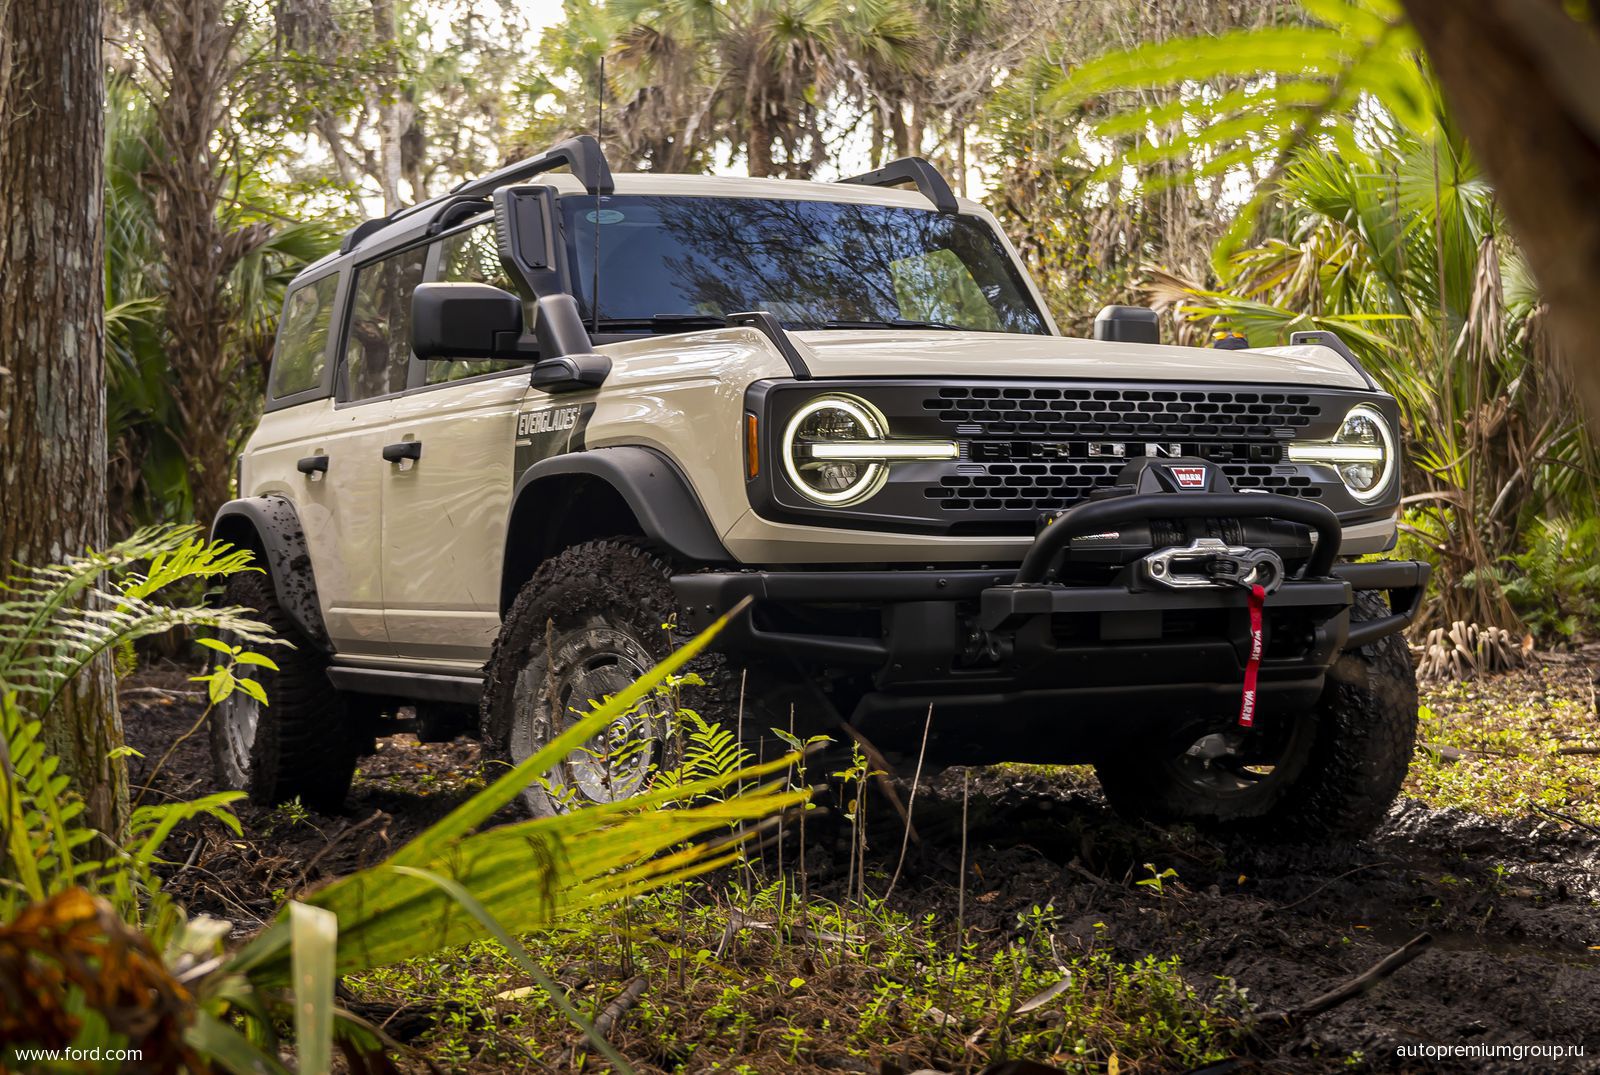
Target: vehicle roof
(408, 225)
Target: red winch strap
(1247, 704)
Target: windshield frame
(578, 239)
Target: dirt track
(1511, 960)
(1513, 904)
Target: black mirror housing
(569, 363)
(461, 320)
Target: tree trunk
(760, 148)
(391, 118)
(1523, 78)
(191, 44)
(52, 365)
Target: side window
(471, 257)
(378, 349)
(301, 353)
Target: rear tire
(301, 744)
(1335, 770)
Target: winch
(1189, 549)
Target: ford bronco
(521, 439)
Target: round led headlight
(827, 450)
(1362, 452)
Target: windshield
(810, 264)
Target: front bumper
(977, 644)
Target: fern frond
(56, 619)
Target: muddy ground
(1512, 902)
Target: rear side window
(378, 349)
(471, 257)
(301, 354)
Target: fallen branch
(156, 692)
(1568, 818)
(619, 1007)
(1355, 987)
(338, 837)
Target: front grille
(1123, 412)
(1035, 448)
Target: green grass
(814, 983)
(1510, 733)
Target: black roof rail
(911, 170)
(582, 155)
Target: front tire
(590, 621)
(300, 745)
(1330, 772)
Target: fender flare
(654, 489)
(271, 526)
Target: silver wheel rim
(238, 717)
(591, 664)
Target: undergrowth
(1514, 745)
(750, 976)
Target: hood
(943, 353)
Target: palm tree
(757, 73)
(154, 463)
(1403, 251)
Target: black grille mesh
(1219, 424)
(1123, 412)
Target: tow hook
(1210, 562)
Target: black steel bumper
(914, 601)
(980, 643)
(1064, 668)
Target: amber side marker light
(752, 447)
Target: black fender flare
(654, 489)
(271, 526)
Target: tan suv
(521, 438)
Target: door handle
(312, 463)
(406, 449)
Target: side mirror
(452, 321)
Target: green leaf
(558, 996)
(252, 688)
(258, 659)
(232, 1050)
(219, 685)
(313, 938)
(216, 644)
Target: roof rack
(911, 170)
(582, 155)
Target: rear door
(445, 517)
(375, 361)
(309, 448)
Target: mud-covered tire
(301, 744)
(601, 608)
(1342, 766)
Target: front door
(445, 516)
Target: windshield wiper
(665, 322)
(895, 323)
